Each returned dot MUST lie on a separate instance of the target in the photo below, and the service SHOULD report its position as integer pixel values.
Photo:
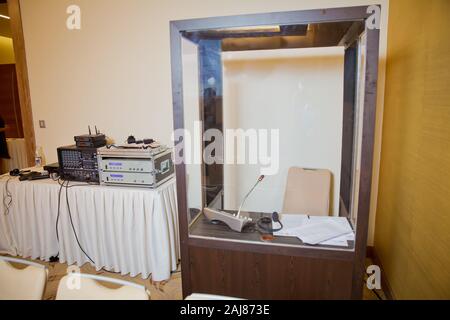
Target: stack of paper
(333, 231)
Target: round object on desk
(267, 237)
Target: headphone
(265, 222)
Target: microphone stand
(234, 221)
(261, 178)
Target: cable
(377, 294)
(265, 223)
(71, 222)
(7, 199)
(374, 290)
(59, 210)
(55, 258)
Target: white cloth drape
(127, 230)
(18, 154)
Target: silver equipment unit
(135, 165)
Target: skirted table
(128, 230)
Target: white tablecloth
(18, 153)
(127, 230)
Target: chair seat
(21, 284)
(89, 287)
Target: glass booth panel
(265, 127)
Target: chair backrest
(22, 284)
(307, 192)
(80, 286)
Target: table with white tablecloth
(123, 229)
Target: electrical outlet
(42, 124)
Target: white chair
(307, 192)
(80, 286)
(203, 296)
(22, 283)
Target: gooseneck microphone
(261, 178)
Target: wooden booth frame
(220, 254)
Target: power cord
(71, 222)
(374, 290)
(56, 258)
(265, 223)
(7, 199)
(59, 211)
(66, 184)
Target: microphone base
(235, 223)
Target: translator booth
(274, 119)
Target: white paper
(341, 241)
(317, 232)
(332, 231)
(290, 221)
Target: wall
(413, 219)
(115, 71)
(6, 45)
(5, 25)
(282, 90)
(6, 51)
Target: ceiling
(5, 27)
(292, 36)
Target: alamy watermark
(233, 146)
(373, 21)
(374, 279)
(73, 21)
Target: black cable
(78, 185)
(71, 222)
(374, 290)
(7, 199)
(377, 294)
(55, 258)
(264, 223)
(67, 186)
(59, 212)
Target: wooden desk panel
(268, 276)
(230, 263)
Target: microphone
(261, 178)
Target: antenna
(89, 128)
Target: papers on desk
(331, 231)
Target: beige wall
(115, 71)
(6, 46)
(412, 235)
(283, 90)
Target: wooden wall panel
(412, 235)
(22, 78)
(266, 276)
(9, 101)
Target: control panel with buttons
(126, 165)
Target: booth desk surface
(201, 228)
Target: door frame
(22, 79)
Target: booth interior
(274, 135)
